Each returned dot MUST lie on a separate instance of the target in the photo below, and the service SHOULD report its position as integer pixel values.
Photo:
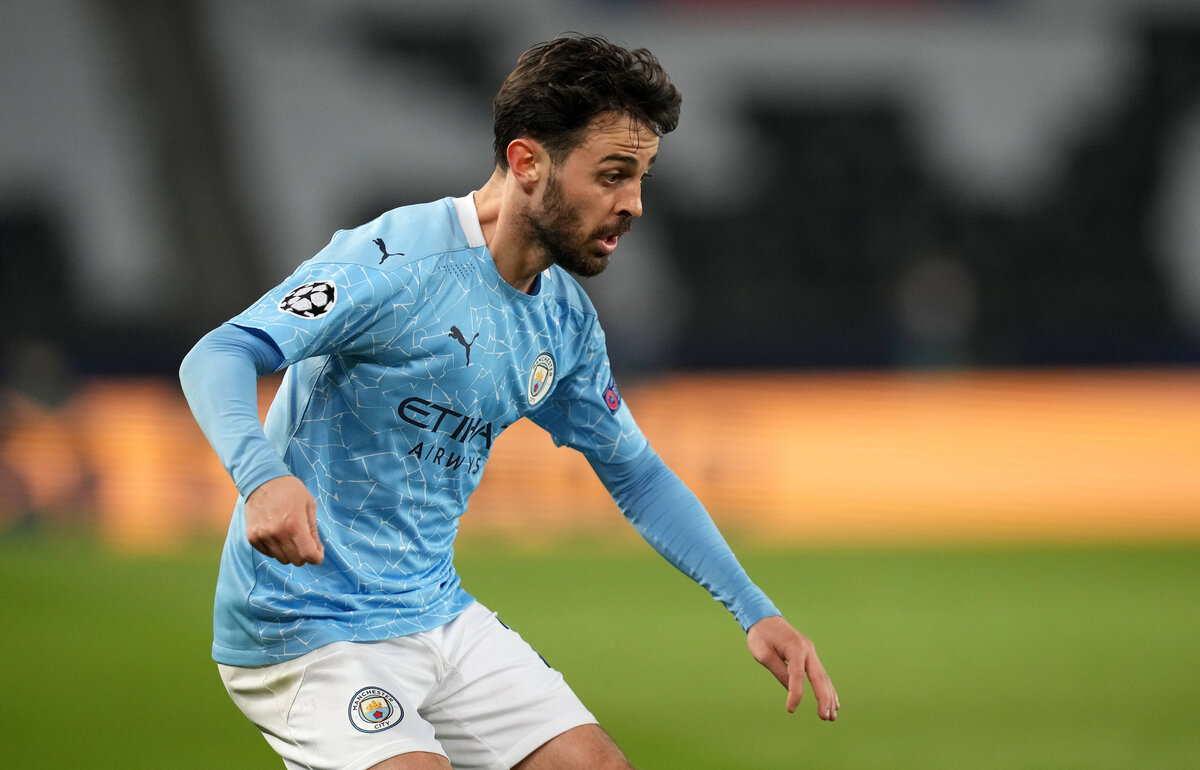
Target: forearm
(219, 378)
(673, 520)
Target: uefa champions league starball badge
(312, 300)
(373, 709)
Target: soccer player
(410, 343)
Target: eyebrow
(627, 159)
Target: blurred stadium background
(922, 272)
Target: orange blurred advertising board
(795, 458)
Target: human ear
(527, 161)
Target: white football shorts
(472, 690)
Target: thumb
(318, 548)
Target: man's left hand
(790, 656)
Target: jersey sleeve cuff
(754, 605)
(260, 476)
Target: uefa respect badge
(612, 395)
(373, 709)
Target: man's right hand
(281, 522)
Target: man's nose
(631, 206)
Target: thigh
(414, 761)
(586, 747)
(500, 701)
(345, 706)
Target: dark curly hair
(558, 86)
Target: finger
(777, 666)
(299, 541)
(273, 547)
(795, 685)
(827, 700)
(315, 533)
(298, 546)
(286, 547)
(309, 548)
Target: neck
(500, 203)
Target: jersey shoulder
(400, 238)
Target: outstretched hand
(281, 522)
(790, 656)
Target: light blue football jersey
(407, 356)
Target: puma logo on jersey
(383, 250)
(457, 335)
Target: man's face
(592, 197)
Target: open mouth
(608, 242)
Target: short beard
(555, 228)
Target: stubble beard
(555, 226)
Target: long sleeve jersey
(406, 355)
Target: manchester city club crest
(373, 709)
(540, 377)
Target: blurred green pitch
(950, 657)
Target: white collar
(468, 219)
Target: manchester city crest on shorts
(312, 300)
(540, 377)
(373, 709)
